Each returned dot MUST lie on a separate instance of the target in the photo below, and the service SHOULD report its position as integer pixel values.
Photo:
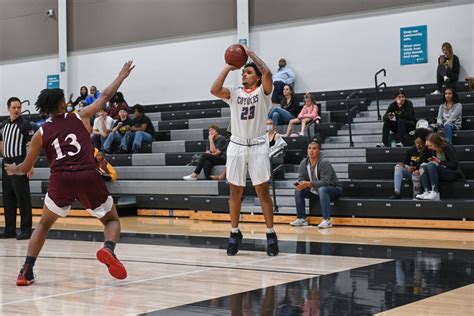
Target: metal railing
(350, 110)
(275, 204)
(310, 123)
(26, 101)
(377, 87)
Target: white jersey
(249, 112)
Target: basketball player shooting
(248, 148)
(65, 138)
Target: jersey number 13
(72, 141)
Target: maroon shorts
(86, 186)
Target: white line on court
(138, 281)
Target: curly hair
(48, 100)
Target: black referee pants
(16, 193)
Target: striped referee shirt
(15, 135)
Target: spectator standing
(450, 114)
(448, 68)
(289, 107)
(121, 126)
(83, 94)
(215, 154)
(442, 165)
(101, 128)
(316, 180)
(283, 76)
(400, 119)
(15, 136)
(142, 130)
(116, 104)
(93, 95)
(309, 113)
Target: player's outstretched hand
(126, 69)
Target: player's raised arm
(30, 160)
(107, 93)
(217, 88)
(267, 81)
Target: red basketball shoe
(116, 268)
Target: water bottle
(416, 188)
(393, 143)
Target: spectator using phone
(442, 165)
(400, 119)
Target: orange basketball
(235, 55)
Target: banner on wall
(52, 81)
(414, 45)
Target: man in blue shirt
(282, 77)
(93, 95)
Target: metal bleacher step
(355, 138)
(356, 132)
(357, 145)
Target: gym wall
(178, 45)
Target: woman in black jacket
(448, 67)
(288, 110)
(443, 165)
(82, 97)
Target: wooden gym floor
(179, 266)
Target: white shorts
(98, 212)
(242, 158)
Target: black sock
(30, 260)
(109, 244)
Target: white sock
(235, 230)
(270, 230)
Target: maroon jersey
(67, 143)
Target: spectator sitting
(82, 96)
(400, 119)
(409, 168)
(215, 154)
(93, 95)
(121, 126)
(316, 180)
(105, 168)
(309, 112)
(443, 165)
(276, 142)
(448, 68)
(101, 128)
(116, 104)
(450, 114)
(142, 130)
(289, 108)
(283, 76)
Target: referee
(15, 134)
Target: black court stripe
(174, 264)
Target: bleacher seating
(366, 172)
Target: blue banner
(52, 81)
(414, 45)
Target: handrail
(26, 101)
(275, 205)
(349, 115)
(26, 111)
(377, 86)
(315, 123)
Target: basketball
(236, 56)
